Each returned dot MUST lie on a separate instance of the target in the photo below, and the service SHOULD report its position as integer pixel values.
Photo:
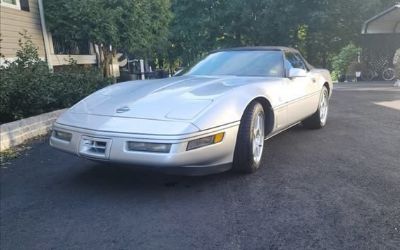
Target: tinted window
(294, 60)
(241, 63)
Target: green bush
(341, 62)
(396, 63)
(29, 88)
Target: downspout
(45, 35)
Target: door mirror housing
(295, 72)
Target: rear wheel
(250, 140)
(319, 118)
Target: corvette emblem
(123, 109)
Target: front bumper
(114, 148)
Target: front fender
(230, 108)
(324, 76)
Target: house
(381, 38)
(386, 22)
(18, 16)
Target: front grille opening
(99, 147)
(95, 147)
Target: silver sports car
(214, 117)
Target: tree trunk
(113, 55)
(324, 60)
(98, 58)
(107, 61)
(101, 56)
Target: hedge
(29, 88)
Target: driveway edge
(15, 133)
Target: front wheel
(319, 118)
(250, 140)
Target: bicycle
(378, 68)
(389, 74)
(369, 75)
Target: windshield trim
(281, 53)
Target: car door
(301, 90)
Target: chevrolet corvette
(214, 117)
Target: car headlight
(64, 136)
(149, 147)
(205, 141)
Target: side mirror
(294, 72)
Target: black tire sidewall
(324, 89)
(314, 121)
(243, 160)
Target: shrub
(342, 61)
(28, 87)
(75, 83)
(396, 63)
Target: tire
(250, 140)
(389, 74)
(319, 118)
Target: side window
(301, 61)
(16, 4)
(294, 60)
(24, 5)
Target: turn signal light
(205, 141)
(64, 136)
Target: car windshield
(241, 63)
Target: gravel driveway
(336, 188)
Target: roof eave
(366, 23)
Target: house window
(68, 47)
(11, 3)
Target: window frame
(299, 56)
(16, 6)
(308, 66)
(279, 53)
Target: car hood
(177, 98)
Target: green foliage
(347, 56)
(28, 88)
(318, 28)
(396, 63)
(74, 83)
(139, 27)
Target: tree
(138, 26)
(194, 28)
(318, 28)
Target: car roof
(258, 48)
